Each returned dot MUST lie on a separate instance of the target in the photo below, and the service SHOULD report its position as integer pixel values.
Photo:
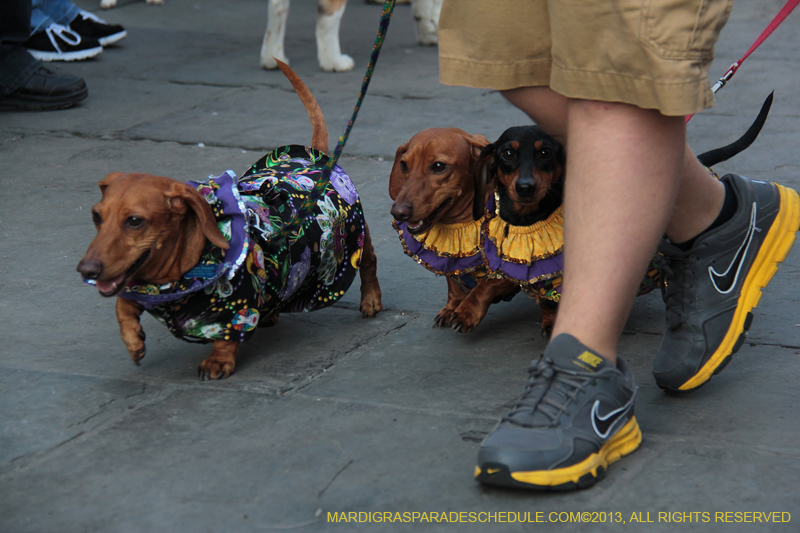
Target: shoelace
(64, 33)
(677, 272)
(546, 384)
(91, 16)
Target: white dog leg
(426, 16)
(156, 2)
(108, 4)
(329, 53)
(272, 47)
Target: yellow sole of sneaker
(581, 475)
(775, 248)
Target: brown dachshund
(161, 248)
(431, 184)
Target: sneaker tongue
(568, 353)
(670, 250)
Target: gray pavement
(328, 412)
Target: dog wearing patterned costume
(212, 260)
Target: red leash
(780, 17)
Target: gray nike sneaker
(573, 420)
(711, 289)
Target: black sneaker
(59, 43)
(573, 420)
(89, 25)
(711, 288)
(46, 90)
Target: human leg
(625, 166)
(705, 325)
(544, 106)
(47, 12)
(565, 428)
(16, 64)
(24, 83)
(628, 165)
(576, 414)
(697, 202)
(702, 332)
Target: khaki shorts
(654, 54)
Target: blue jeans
(47, 12)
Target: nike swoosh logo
(725, 281)
(603, 424)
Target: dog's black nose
(90, 268)
(402, 211)
(525, 189)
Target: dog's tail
(319, 136)
(718, 155)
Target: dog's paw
(549, 313)
(427, 32)
(108, 4)
(463, 322)
(428, 39)
(134, 342)
(156, 2)
(339, 63)
(370, 306)
(442, 320)
(215, 368)
(139, 354)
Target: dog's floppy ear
(482, 178)
(182, 198)
(477, 143)
(108, 180)
(397, 179)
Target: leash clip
(724, 79)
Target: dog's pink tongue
(109, 285)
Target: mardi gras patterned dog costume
(287, 236)
(230, 291)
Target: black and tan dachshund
(528, 168)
